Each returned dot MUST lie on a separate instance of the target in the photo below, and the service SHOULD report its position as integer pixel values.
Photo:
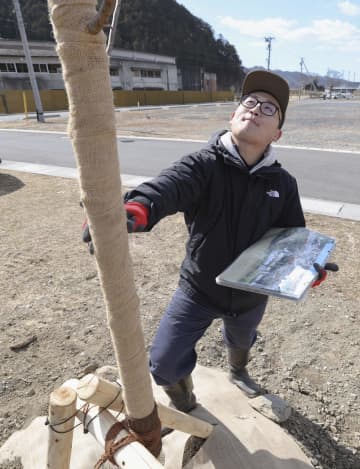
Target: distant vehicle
(344, 94)
(337, 95)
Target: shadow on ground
(9, 183)
(323, 450)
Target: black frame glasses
(266, 107)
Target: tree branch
(102, 17)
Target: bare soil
(306, 352)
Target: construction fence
(22, 101)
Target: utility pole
(301, 71)
(312, 83)
(35, 89)
(113, 26)
(268, 40)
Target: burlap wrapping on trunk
(92, 129)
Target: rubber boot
(238, 359)
(181, 397)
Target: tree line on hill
(155, 26)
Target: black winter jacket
(226, 209)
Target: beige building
(129, 70)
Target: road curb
(321, 207)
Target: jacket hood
(223, 138)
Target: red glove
(86, 237)
(322, 272)
(137, 216)
(137, 220)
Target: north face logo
(273, 194)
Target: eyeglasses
(266, 107)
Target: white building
(129, 70)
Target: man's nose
(256, 109)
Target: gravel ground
(306, 352)
(310, 122)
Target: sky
(325, 33)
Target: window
(54, 68)
(6, 67)
(114, 71)
(46, 68)
(21, 68)
(146, 73)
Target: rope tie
(147, 431)
(85, 409)
(112, 446)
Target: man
(231, 192)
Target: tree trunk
(92, 130)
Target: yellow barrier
(25, 104)
(3, 106)
(13, 101)
(18, 101)
(157, 98)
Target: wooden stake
(177, 420)
(62, 408)
(101, 392)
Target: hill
(298, 80)
(155, 26)
(161, 27)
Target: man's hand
(322, 272)
(137, 220)
(137, 216)
(86, 237)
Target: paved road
(328, 175)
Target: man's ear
(277, 136)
